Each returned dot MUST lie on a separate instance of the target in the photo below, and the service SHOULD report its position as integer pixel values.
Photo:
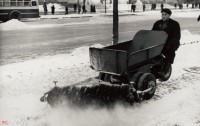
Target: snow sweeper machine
(127, 73)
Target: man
(52, 9)
(133, 7)
(172, 28)
(45, 8)
(198, 19)
(66, 9)
(161, 6)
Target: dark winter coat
(198, 19)
(173, 30)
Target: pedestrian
(91, 8)
(172, 28)
(94, 8)
(133, 6)
(198, 19)
(75, 6)
(66, 10)
(84, 9)
(144, 7)
(199, 5)
(175, 5)
(161, 6)
(192, 5)
(52, 9)
(45, 8)
(155, 6)
(79, 9)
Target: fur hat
(166, 10)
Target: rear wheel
(165, 74)
(147, 83)
(15, 15)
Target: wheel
(147, 81)
(165, 74)
(15, 15)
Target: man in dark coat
(45, 8)
(172, 28)
(198, 19)
(66, 9)
(133, 7)
(52, 9)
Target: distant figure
(133, 6)
(180, 6)
(198, 19)
(161, 6)
(79, 9)
(192, 5)
(144, 7)
(66, 9)
(196, 4)
(94, 8)
(91, 8)
(84, 9)
(45, 8)
(199, 5)
(75, 6)
(155, 6)
(151, 6)
(187, 5)
(175, 5)
(52, 9)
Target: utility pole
(78, 6)
(115, 22)
(105, 6)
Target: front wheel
(147, 84)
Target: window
(20, 3)
(27, 2)
(34, 3)
(13, 3)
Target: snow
(13, 24)
(22, 84)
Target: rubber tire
(145, 81)
(15, 15)
(167, 75)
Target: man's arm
(155, 26)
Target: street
(21, 45)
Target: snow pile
(13, 24)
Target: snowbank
(13, 24)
